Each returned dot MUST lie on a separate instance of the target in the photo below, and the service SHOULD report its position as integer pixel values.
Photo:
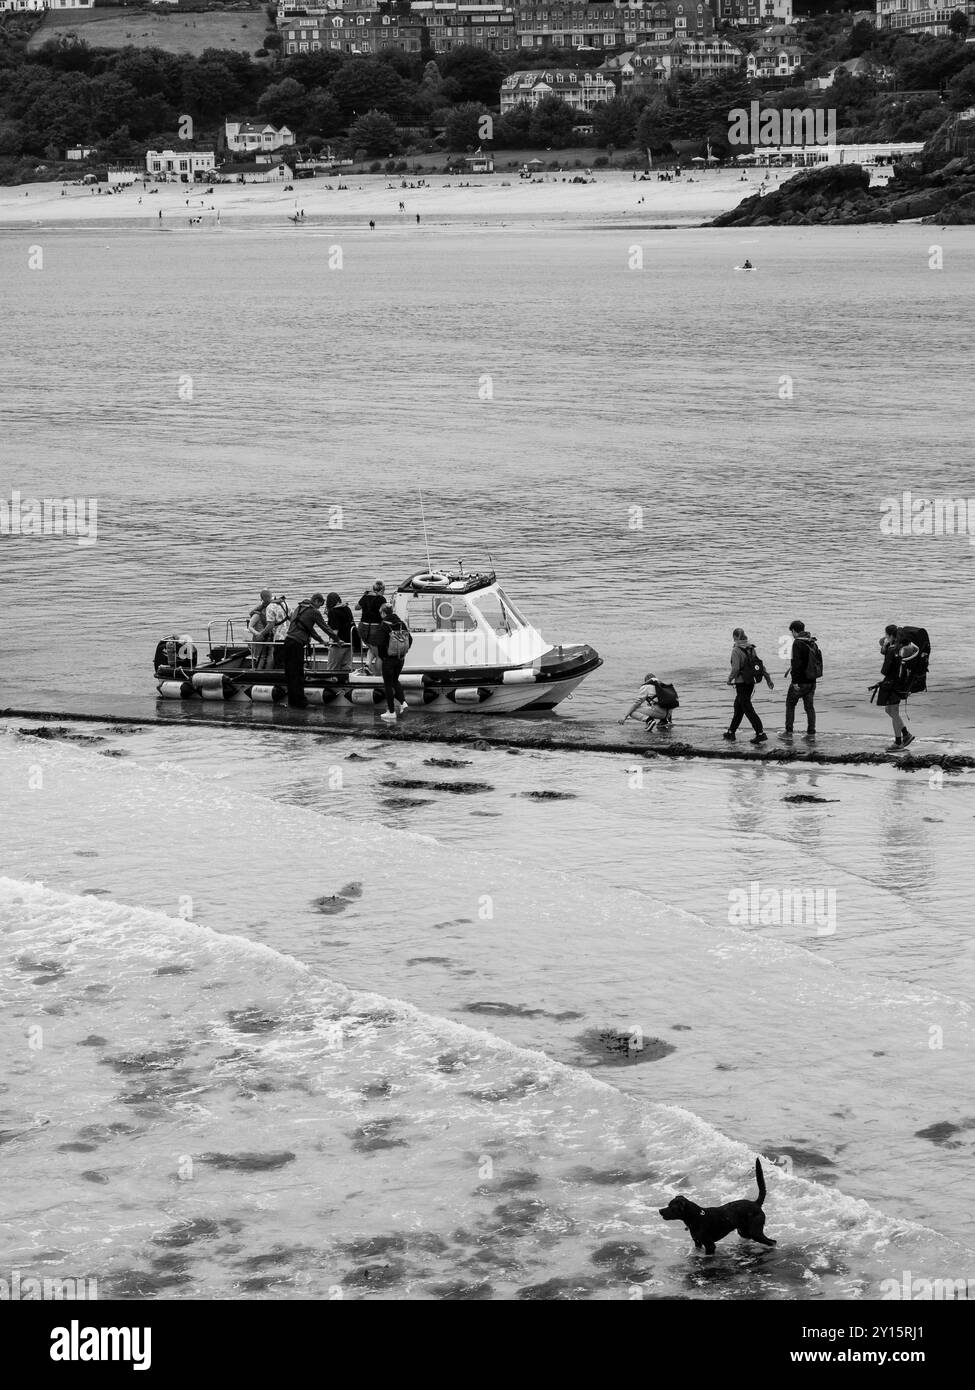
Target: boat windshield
(498, 611)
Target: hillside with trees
(66, 91)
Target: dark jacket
(341, 619)
(307, 624)
(801, 663)
(387, 626)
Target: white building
(752, 14)
(180, 166)
(803, 156)
(921, 16)
(582, 89)
(15, 6)
(249, 137)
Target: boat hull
(482, 690)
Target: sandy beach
(491, 200)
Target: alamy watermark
(50, 516)
(756, 906)
(908, 515)
(922, 1290)
(791, 126)
(24, 1288)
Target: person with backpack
(393, 642)
(259, 630)
(661, 697)
(747, 669)
(278, 618)
(904, 672)
(306, 624)
(339, 616)
(805, 668)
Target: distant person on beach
(307, 624)
(418, 219)
(338, 615)
(661, 699)
(372, 225)
(893, 688)
(370, 606)
(805, 667)
(747, 669)
(748, 266)
(394, 642)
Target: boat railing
(230, 638)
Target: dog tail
(760, 1179)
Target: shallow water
(410, 1002)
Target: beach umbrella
(698, 159)
(535, 161)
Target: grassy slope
(242, 31)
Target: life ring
(430, 581)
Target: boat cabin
(464, 620)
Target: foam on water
(304, 1139)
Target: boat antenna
(426, 541)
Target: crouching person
(660, 698)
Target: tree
(322, 114)
(862, 38)
(312, 69)
(375, 133)
(365, 84)
(284, 103)
(551, 125)
(961, 89)
(477, 72)
(462, 126)
(432, 78)
(655, 126)
(511, 132)
(958, 24)
(614, 122)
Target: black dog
(708, 1224)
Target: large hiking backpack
(914, 672)
(667, 695)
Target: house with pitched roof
(583, 89)
(256, 137)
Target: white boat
(472, 650)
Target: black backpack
(914, 671)
(754, 664)
(814, 668)
(667, 695)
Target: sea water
(651, 456)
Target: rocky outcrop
(840, 194)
